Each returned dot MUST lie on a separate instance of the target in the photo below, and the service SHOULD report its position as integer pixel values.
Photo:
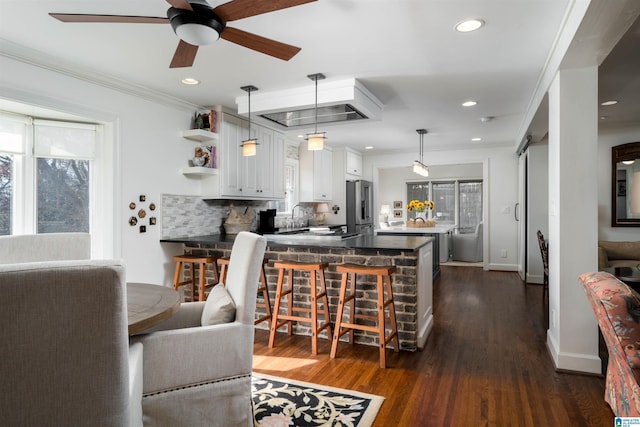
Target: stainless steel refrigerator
(360, 206)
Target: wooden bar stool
(194, 260)
(223, 263)
(278, 320)
(342, 327)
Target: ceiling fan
(198, 24)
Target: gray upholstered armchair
(468, 247)
(64, 344)
(199, 374)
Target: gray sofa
(44, 247)
(618, 254)
(467, 247)
(64, 344)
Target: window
(290, 187)
(45, 175)
(456, 202)
(443, 195)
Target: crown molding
(42, 60)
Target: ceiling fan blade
(238, 9)
(261, 44)
(184, 56)
(77, 17)
(180, 4)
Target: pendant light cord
(316, 107)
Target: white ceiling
(404, 51)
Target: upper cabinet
(316, 175)
(353, 162)
(253, 177)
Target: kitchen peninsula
(412, 282)
(441, 237)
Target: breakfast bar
(412, 282)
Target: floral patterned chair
(617, 309)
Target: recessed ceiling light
(368, 147)
(611, 102)
(604, 117)
(300, 136)
(190, 81)
(469, 25)
(476, 139)
(469, 103)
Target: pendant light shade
(249, 146)
(315, 140)
(418, 166)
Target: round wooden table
(148, 305)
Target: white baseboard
(424, 331)
(574, 362)
(502, 267)
(535, 278)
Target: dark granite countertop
(403, 243)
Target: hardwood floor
(485, 363)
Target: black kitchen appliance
(267, 221)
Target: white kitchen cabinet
(252, 177)
(316, 175)
(232, 163)
(353, 163)
(347, 166)
(263, 175)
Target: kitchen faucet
(294, 209)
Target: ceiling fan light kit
(198, 27)
(418, 166)
(196, 23)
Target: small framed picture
(143, 197)
(152, 220)
(397, 213)
(397, 204)
(622, 188)
(143, 228)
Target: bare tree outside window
(63, 195)
(6, 194)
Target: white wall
(148, 154)
(500, 174)
(537, 207)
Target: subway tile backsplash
(191, 216)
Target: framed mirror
(625, 185)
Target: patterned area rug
(281, 402)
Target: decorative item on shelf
(315, 140)
(236, 222)
(207, 120)
(418, 165)
(249, 145)
(202, 156)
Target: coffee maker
(267, 221)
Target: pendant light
(315, 141)
(418, 165)
(249, 146)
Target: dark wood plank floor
(485, 363)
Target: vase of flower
(419, 208)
